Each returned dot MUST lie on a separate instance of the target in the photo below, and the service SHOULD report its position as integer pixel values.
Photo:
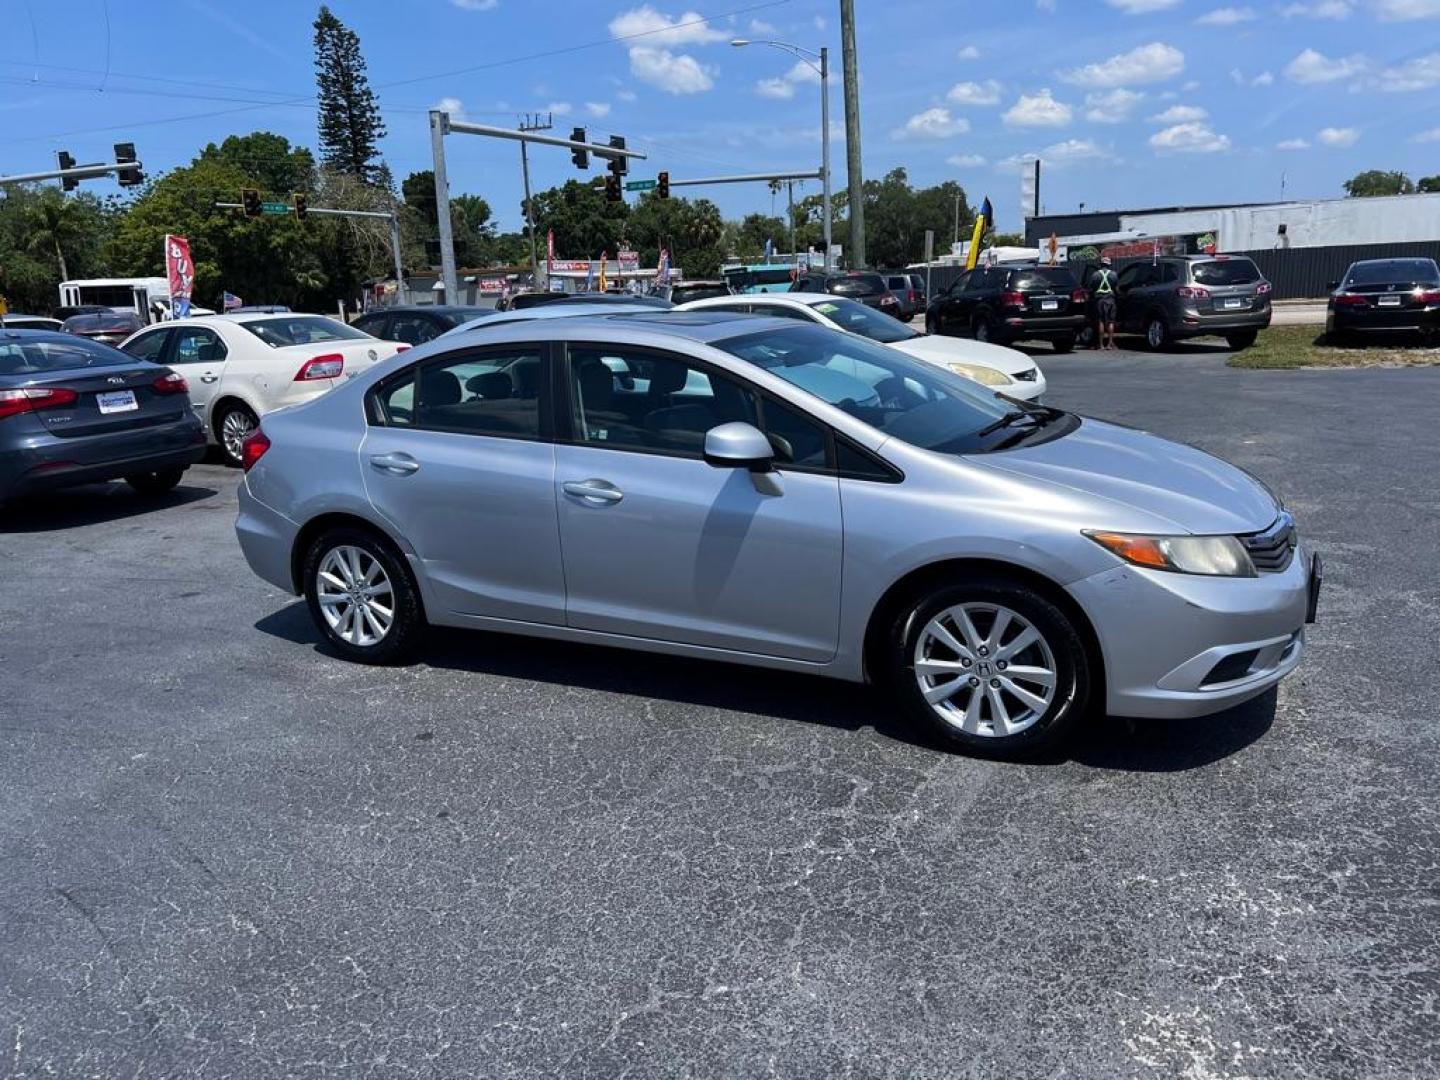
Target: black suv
(869, 289)
(1007, 303)
(1186, 296)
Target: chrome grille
(1272, 550)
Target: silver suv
(1180, 297)
(779, 494)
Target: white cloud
(671, 72)
(1292, 144)
(1418, 74)
(1191, 138)
(1227, 16)
(1180, 114)
(1431, 136)
(966, 161)
(1407, 10)
(1056, 156)
(969, 52)
(973, 93)
(1338, 137)
(1265, 78)
(626, 95)
(760, 26)
(1151, 63)
(1322, 9)
(597, 108)
(559, 108)
(1112, 106)
(454, 106)
(476, 5)
(1038, 110)
(783, 87)
(1047, 6)
(690, 28)
(1142, 7)
(936, 123)
(1313, 67)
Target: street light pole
(853, 168)
(808, 58)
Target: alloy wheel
(355, 595)
(985, 670)
(237, 426)
(1155, 334)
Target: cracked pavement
(224, 853)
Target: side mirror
(739, 446)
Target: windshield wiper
(1014, 416)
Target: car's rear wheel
(994, 669)
(1241, 339)
(1065, 344)
(155, 483)
(1157, 333)
(362, 597)
(233, 425)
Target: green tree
(349, 115)
(1428, 185)
(56, 225)
(1376, 182)
(584, 223)
(897, 217)
(32, 219)
(754, 230)
(275, 166)
(694, 233)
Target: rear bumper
(1375, 320)
(267, 539)
(1031, 326)
(1193, 324)
(46, 463)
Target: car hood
(948, 350)
(1197, 492)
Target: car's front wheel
(363, 597)
(233, 425)
(994, 669)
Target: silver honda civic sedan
(779, 494)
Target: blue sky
(1130, 102)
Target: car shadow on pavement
(1109, 743)
(92, 504)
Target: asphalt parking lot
(224, 853)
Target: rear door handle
(598, 491)
(402, 464)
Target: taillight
(1012, 299)
(913, 296)
(401, 348)
(170, 383)
(1428, 296)
(1348, 300)
(1193, 292)
(35, 398)
(328, 366)
(253, 449)
(1079, 296)
(1264, 289)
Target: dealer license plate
(117, 401)
(1389, 301)
(1049, 305)
(1232, 305)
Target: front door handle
(209, 378)
(595, 491)
(402, 464)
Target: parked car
(685, 291)
(30, 322)
(240, 367)
(1386, 295)
(417, 324)
(521, 301)
(993, 366)
(77, 411)
(779, 494)
(862, 285)
(260, 309)
(1002, 304)
(108, 327)
(544, 311)
(1187, 296)
(909, 289)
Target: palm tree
(54, 224)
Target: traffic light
(619, 165)
(302, 204)
(581, 158)
(662, 185)
(66, 160)
(124, 154)
(612, 187)
(250, 202)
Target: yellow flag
(602, 271)
(982, 225)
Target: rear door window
(1226, 272)
(197, 345)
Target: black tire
(982, 328)
(930, 325)
(1065, 344)
(244, 415)
(1241, 339)
(1157, 333)
(155, 483)
(1071, 692)
(399, 644)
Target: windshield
(37, 355)
(744, 279)
(857, 285)
(1394, 272)
(901, 397)
(1226, 272)
(867, 322)
(302, 330)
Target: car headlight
(1215, 556)
(985, 376)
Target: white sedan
(995, 366)
(241, 367)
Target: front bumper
(1182, 645)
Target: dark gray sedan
(74, 411)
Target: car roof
(781, 299)
(437, 309)
(703, 327)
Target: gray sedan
(784, 495)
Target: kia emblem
(115, 380)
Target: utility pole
(439, 125)
(790, 214)
(957, 218)
(530, 123)
(856, 177)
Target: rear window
(1226, 272)
(857, 285)
(683, 294)
(1043, 277)
(302, 330)
(35, 356)
(1394, 272)
(110, 320)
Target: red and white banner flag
(181, 272)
